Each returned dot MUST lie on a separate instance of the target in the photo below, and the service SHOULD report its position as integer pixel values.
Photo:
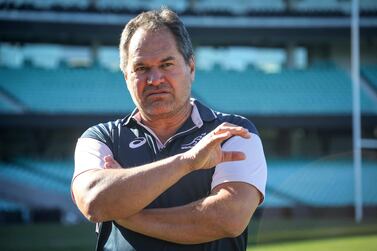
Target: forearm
(190, 224)
(221, 215)
(109, 194)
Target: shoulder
(103, 132)
(236, 120)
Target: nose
(154, 77)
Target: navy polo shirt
(132, 144)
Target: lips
(155, 93)
(148, 92)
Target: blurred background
(284, 64)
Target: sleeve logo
(193, 142)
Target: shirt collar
(199, 114)
(205, 113)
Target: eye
(166, 65)
(140, 69)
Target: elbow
(234, 228)
(234, 222)
(92, 213)
(87, 196)
(90, 206)
(90, 210)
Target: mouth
(156, 93)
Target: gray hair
(154, 20)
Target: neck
(166, 126)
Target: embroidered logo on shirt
(194, 142)
(138, 142)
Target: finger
(108, 158)
(110, 162)
(235, 130)
(110, 165)
(232, 156)
(218, 138)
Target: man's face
(158, 78)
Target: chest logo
(138, 142)
(193, 142)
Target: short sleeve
(252, 170)
(89, 155)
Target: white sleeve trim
(89, 154)
(252, 170)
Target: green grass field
(265, 235)
(350, 243)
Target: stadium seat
(312, 91)
(370, 73)
(316, 91)
(319, 183)
(54, 176)
(5, 107)
(323, 182)
(9, 206)
(62, 90)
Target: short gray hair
(154, 20)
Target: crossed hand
(207, 153)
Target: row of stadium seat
(235, 7)
(9, 206)
(370, 73)
(48, 56)
(52, 176)
(47, 4)
(321, 183)
(324, 182)
(96, 90)
(5, 107)
(312, 91)
(68, 91)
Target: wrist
(187, 162)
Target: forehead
(151, 44)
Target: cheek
(135, 85)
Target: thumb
(232, 156)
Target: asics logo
(138, 142)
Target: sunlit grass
(365, 243)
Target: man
(173, 175)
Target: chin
(160, 111)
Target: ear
(192, 68)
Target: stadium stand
(312, 91)
(370, 74)
(9, 206)
(47, 4)
(68, 79)
(235, 7)
(11, 56)
(301, 182)
(40, 175)
(91, 90)
(98, 90)
(317, 183)
(5, 107)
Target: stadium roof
(53, 26)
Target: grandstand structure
(284, 64)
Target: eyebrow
(167, 59)
(161, 61)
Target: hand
(208, 153)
